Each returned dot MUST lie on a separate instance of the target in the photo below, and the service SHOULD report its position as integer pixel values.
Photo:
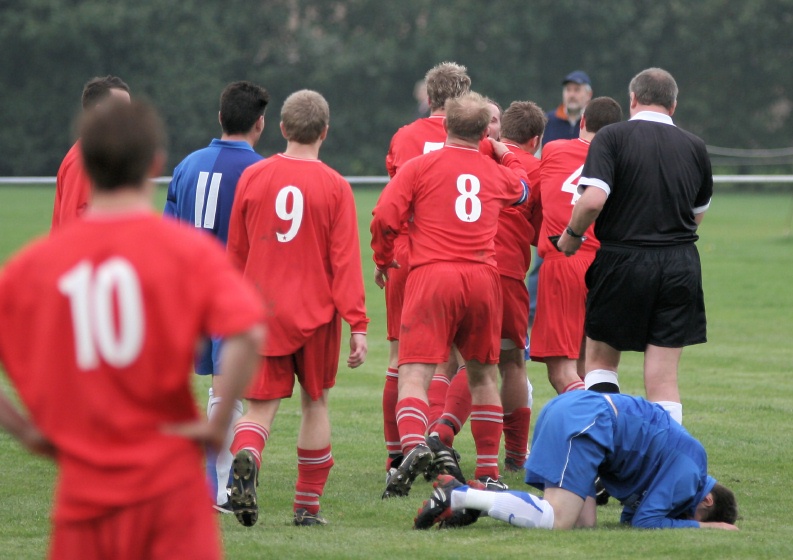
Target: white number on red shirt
(571, 184)
(295, 215)
(468, 187)
(208, 210)
(432, 146)
(96, 295)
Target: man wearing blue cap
(564, 122)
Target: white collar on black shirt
(652, 116)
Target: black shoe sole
(243, 489)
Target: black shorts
(646, 296)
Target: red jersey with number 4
(72, 188)
(560, 169)
(454, 196)
(518, 226)
(98, 330)
(294, 233)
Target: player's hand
(207, 433)
(358, 350)
(381, 274)
(35, 442)
(717, 525)
(568, 244)
(499, 148)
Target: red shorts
(515, 322)
(178, 524)
(561, 304)
(315, 365)
(449, 303)
(395, 289)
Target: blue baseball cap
(577, 77)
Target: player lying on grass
(644, 459)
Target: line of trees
(731, 59)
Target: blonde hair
(445, 81)
(305, 116)
(467, 116)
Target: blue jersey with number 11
(203, 185)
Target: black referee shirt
(657, 177)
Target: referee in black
(646, 184)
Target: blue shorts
(207, 360)
(572, 436)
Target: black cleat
(303, 518)
(445, 458)
(438, 507)
(492, 484)
(244, 480)
(400, 480)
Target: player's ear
(324, 133)
(283, 130)
(157, 164)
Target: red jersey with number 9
(98, 331)
(294, 233)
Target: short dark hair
(522, 121)
(654, 86)
(725, 507)
(305, 116)
(600, 112)
(119, 142)
(97, 89)
(241, 105)
(467, 116)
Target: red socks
(250, 436)
(313, 467)
(390, 429)
(436, 394)
(516, 434)
(411, 415)
(574, 386)
(486, 427)
(457, 408)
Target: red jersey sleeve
(345, 259)
(389, 213)
(238, 244)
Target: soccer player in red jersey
(72, 184)
(557, 337)
(453, 294)
(521, 128)
(109, 398)
(294, 233)
(444, 81)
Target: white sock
(224, 457)
(675, 410)
(601, 376)
(530, 400)
(522, 509)
(469, 498)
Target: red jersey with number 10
(455, 195)
(98, 329)
(560, 169)
(294, 233)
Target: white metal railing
(382, 180)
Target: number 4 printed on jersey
(571, 184)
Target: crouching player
(644, 459)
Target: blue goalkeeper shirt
(646, 460)
(203, 185)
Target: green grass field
(737, 395)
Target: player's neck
(457, 141)
(248, 138)
(303, 151)
(126, 199)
